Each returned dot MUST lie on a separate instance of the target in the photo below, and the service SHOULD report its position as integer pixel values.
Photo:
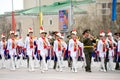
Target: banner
(63, 19)
(114, 15)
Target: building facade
(95, 9)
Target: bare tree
(5, 27)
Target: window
(50, 22)
(104, 5)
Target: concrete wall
(33, 21)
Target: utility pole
(71, 16)
(40, 13)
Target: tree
(5, 26)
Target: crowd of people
(105, 49)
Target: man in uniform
(88, 40)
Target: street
(51, 74)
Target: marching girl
(3, 47)
(102, 49)
(11, 48)
(30, 48)
(58, 48)
(20, 46)
(111, 48)
(43, 46)
(73, 49)
(64, 47)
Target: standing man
(88, 40)
(3, 47)
(29, 47)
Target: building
(29, 17)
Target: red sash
(31, 42)
(59, 45)
(75, 44)
(111, 44)
(13, 43)
(4, 44)
(104, 45)
(44, 43)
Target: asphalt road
(51, 74)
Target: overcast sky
(6, 5)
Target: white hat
(62, 36)
(74, 31)
(42, 29)
(58, 34)
(12, 32)
(16, 33)
(109, 33)
(49, 37)
(102, 33)
(2, 36)
(30, 30)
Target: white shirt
(41, 46)
(27, 43)
(118, 46)
(9, 44)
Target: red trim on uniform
(38, 51)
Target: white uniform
(43, 45)
(29, 46)
(20, 46)
(118, 46)
(102, 48)
(2, 50)
(11, 47)
(111, 47)
(73, 49)
(111, 52)
(64, 45)
(58, 48)
(100, 45)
